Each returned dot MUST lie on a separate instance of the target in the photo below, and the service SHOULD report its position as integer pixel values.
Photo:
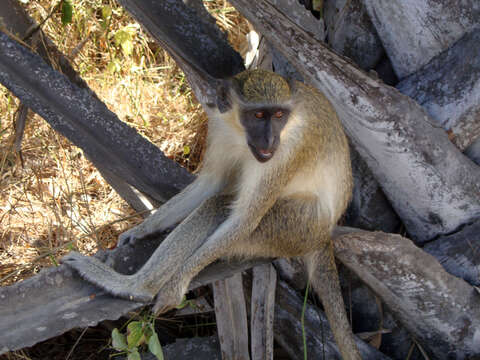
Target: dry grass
(56, 200)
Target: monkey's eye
(259, 114)
(278, 114)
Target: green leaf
(106, 12)
(124, 38)
(155, 347)
(118, 340)
(135, 334)
(186, 150)
(134, 355)
(127, 47)
(182, 304)
(53, 260)
(114, 66)
(67, 12)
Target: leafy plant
(138, 333)
(67, 12)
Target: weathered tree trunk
(231, 316)
(459, 253)
(441, 311)
(415, 31)
(86, 121)
(351, 33)
(448, 88)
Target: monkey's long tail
(323, 277)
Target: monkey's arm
(244, 218)
(175, 210)
(181, 242)
(181, 246)
(290, 228)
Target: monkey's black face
(263, 126)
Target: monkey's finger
(127, 238)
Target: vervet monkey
(277, 166)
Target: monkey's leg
(290, 228)
(184, 240)
(174, 210)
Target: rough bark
(369, 209)
(320, 343)
(415, 31)
(180, 31)
(441, 311)
(296, 13)
(231, 317)
(459, 253)
(351, 33)
(431, 185)
(262, 311)
(187, 38)
(87, 122)
(448, 88)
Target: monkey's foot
(99, 274)
(170, 296)
(139, 232)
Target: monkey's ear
(224, 102)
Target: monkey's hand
(99, 274)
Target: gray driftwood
(459, 253)
(449, 89)
(351, 33)
(415, 31)
(431, 185)
(87, 122)
(262, 308)
(441, 311)
(320, 343)
(231, 315)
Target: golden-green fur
(284, 207)
(261, 86)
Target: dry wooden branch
(442, 312)
(87, 122)
(262, 311)
(449, 89)
(231, 315)
(415, 31)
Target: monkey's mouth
(261, 155)
(266, 154)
